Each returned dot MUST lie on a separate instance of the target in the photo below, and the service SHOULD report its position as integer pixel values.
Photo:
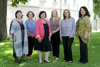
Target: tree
(96, 8)
(3, 11)
(15, 2)
(3, 14)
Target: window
(43, 0)
(9, 1)
(74, 2)
(65, 1)
(55, 0)
(28, 1)
(88, 3)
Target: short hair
(42, 13)
(17, 13)
(30, 12)
(64, 17)
(86, 10)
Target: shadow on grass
(6, 55)
(7, 60)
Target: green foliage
(96, 8)
(15, 2)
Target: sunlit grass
(2, 43)
(7, 60)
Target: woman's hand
(11, 40)
(70, 36)
(39, 40)
(50, 37)
(53, 32)
(60, 38)
(32, 35)
(85, 37)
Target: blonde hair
(57, 17)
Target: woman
(55, 38)
(18, 36)
(84, 33)
(67, 31)
(30, 24)
(43, 35)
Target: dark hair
(64, 14)
(17, 13)
(87, 12)
(30, 12)
(42, 13)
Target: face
(43, 15)
(30, 15)
(83, 12)
(66, 13)
(54, 13)
(19, 15)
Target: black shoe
(81, 63)
(46, 61)
(22, 60)
(71, 61)
(16, 60)
(64, 61)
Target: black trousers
(67, 42)
(83, 52)
(55, 40)
(30, 45)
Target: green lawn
(7, 60)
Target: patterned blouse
(67, 28)
(81, 26)
(54, 25)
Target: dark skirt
(44, 46)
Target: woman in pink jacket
(43, 35)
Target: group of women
(45, 35)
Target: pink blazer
(39, 29)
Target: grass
(7, 60)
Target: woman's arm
(37, 32)
(86, 33)
(87, 26)
(49, 30)
(30, 34)
(60, 31)
(11, 38)
(11, 30)
(73, 28)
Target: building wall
(48, 5)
